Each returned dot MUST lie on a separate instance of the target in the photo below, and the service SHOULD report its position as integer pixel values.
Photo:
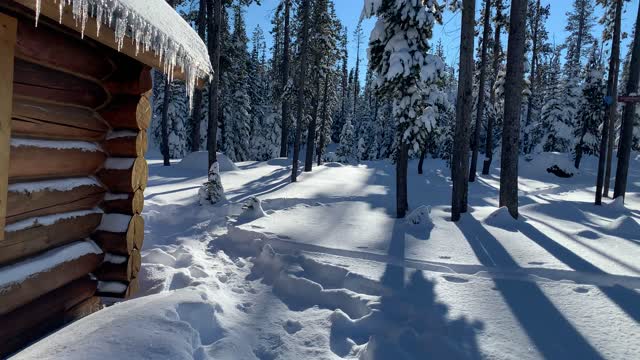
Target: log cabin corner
(74, 110)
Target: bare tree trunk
(464, 108)
(301, 85)
(325, 118)
(626, 139)
(606, 143)
(534, 63)
(284, 139)
(197, 95)
(214, 11)
(311, 133)
(423, 154)
(488, 150)
(481, 86)
(164, 124)
(402, 161)
(356, 78)
(512, 105)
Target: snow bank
(48, 220)
(53, 185)
(420, 216)
(546, 161)
(625, 226)
(501, 218)
(199, 160)
(174, 325)
(20, 271)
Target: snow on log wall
(76, 174)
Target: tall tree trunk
(606, 143)
(423, 154)
(311, 133)
(402, 162)
(301, 85)
(488, 150)
(481, 86)
(284, 139)
(325, 118)
(164, 124)
(464, 108)
(512, 105)
(626, 139)
(214, 11)
(197, 95)
(534, 63)
(356, 77)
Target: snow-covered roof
(152, 25)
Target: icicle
(38, 5)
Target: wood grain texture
(23, 205)
(8, 28)
(122, 243)
(35, 163)
(127, 146)
(126, 180)
(42, 120)
(28, 242)
(44, 314)
(36, 81)
(16, 295)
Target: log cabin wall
(75, 176)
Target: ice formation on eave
(152, 25)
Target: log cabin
(75, 89)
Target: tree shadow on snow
(552, 334)
(408, 322)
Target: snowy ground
(328, 273)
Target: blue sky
(349, 12)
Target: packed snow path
(320, 269)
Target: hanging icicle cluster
(153, 26)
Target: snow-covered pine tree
(399, 56)
(592, 109)
(347, 149)
(556, 125)
(238, 111)
(177, 116)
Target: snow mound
(173, 325)
(501, 218)
(252, 210)
(559, 164)
(420, 216)
(199, 160)
(625, 226)
(617, 203)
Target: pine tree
(408, 25)
(580, 23)
(347, 150)
(592, 108)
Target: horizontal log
(129, 289)
(125, 175)
(131, 78)
(132, 112)
(69, 53)
(22, 204)
(126, 144)
(39, 82)
(129, 204)
(36, 119)
(84, 308)
(121, 241)
(43, 315)
(17, 294)
(124, 271)
(29, 241)
(46, 160)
